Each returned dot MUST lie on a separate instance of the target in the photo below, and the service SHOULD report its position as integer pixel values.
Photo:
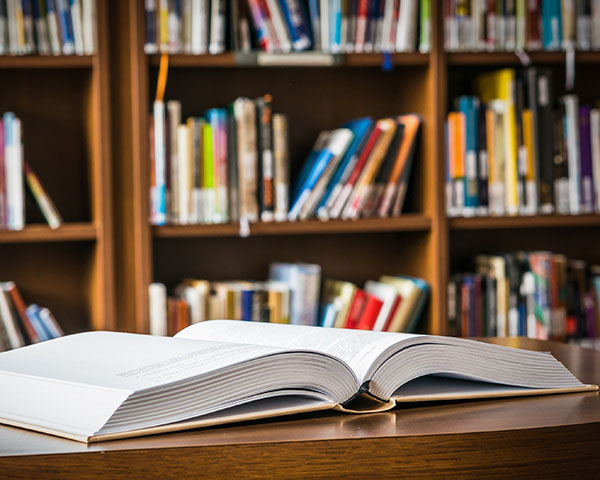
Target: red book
(183, 315)
(533, 15)
(356, 308)
(21, 309)
(172, 314)
(361, 25)
(370, 312)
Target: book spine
(53, 27)
(7, 316)
(425, 26)
(43, 199)
(335, 14)
(260, 25)
(50, 322)
(279, 26)
(158, 194)
(573, 151)
(595, 146)
(361, 25)
(315, 22)
(21, 310)
(3, 194)
(247, 161)
(151, 43)
(88, 19)
(66, 27)
(15, 196)
(281, 162)
(369, 313)
(469, 106)
(533, 17)
(41, 32)
(596, 24)
(4, 40)
(28, 27)
(587, 181)
(295, 18)
(265, 152)
(75, 10)
(217, 27)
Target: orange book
(21, 309)
(411, 124)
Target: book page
(125, 361)
(358, 348)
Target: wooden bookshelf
(64, 105)
(316, 96)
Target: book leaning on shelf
(282, 26)
(516, 149)
(496, 25)
(21, 324)
(47, 27)
(12, 180)
(219, 372)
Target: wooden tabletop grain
(555, 436)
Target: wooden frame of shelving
(79, 254)
(422, 239)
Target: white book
(406, 36)
(77, 26)
(200, 17)
(7, 317)
(88, 17)
(386, 29)
(217, 27)
(325, 26)
(15, 188)
(174, 29)
(221, 371)
(279, 26)
(595, 133)
(573, 152)
(157, 296)
(184, 176)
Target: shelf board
(537, 221)
(41, 233)
(510, 58)
(46, 61)
(409, 222)
(306, 59)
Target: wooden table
(541, 437)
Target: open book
(103, 385)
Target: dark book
(232, 167)
(560, 162)
(264, 137)
(588, 196)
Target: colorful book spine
(281, 161)
(158, 193)
(151, 43)
(295, 17)
(42, 198)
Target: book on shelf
(21, 324)
(283, 26)
(47, 27)
(14, 173)
(496, 25)
(220, 372)
(538, 294)
(516, 149)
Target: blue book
(296, 21)
(335, 32)
(336, 145)
(66, 27)
(309, 163)
(32, 314)
(315, 22)
(361, 128)
(247, 297)
(551, 24)
(469, 106)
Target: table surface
(543, 434)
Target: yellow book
(163, 25)
(499, 86)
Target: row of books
(500, 25)
(394, 303)
(47, 27)
(333, 26)
(516, 149)
(228, 165)
(361, 169)
(291, 295)
(536, 294)
(12, 180)
(20, 324)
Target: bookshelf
(64, 104)
(422, 242)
